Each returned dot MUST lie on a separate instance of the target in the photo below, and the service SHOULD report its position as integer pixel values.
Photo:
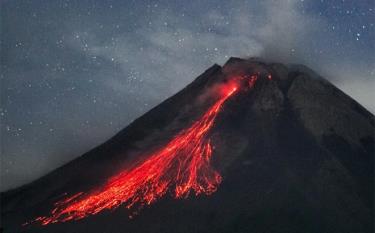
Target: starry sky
(73, 73)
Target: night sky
(73, 73)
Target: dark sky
(73, 73)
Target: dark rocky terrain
(296, 155)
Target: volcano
(252, 146)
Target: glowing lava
(181, 167)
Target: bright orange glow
(181, 167)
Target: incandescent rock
(296, 155)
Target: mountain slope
(295, 155)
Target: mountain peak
(279, 148)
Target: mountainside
(251, 146)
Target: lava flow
(181, 167)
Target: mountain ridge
(296, 107)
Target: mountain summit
(252, 146)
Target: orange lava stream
(181, 167)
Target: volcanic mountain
(252, 146)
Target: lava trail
(181, 167)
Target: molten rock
(247, 147)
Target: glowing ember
(181, 167)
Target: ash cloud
(178, 48)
